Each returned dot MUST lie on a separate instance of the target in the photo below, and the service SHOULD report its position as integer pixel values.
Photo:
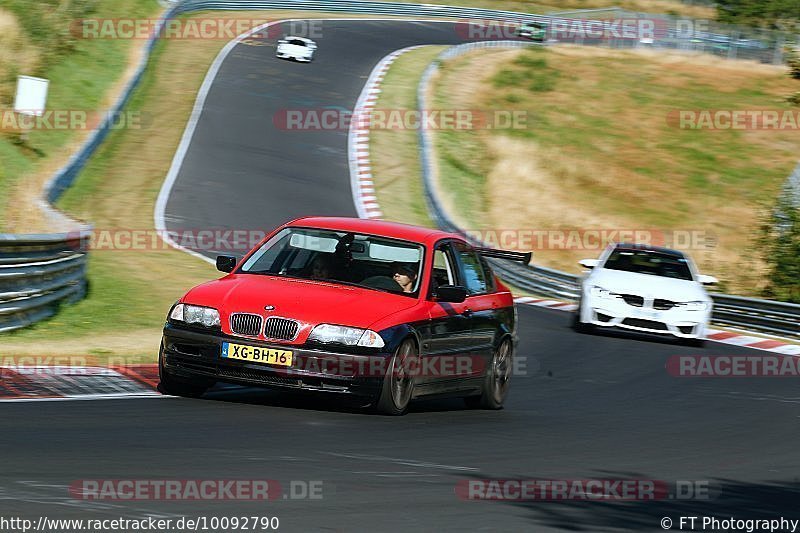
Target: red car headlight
(332, 334)
(195, 314)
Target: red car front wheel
(398, 383)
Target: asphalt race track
(243, 172)
(586, 406)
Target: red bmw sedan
(383, 311)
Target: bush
(793, 60)
(529, 70)
(782, 246)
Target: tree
(776, 14)
(782, 247)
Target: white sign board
(31, 96)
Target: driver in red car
(321, 267)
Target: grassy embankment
(41, 39)
(598, 150)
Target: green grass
(738, 163)
(461, 158)
(461, 155)
(79, 80)
(74, 199)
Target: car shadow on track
(600, 331)
(321, 402)
(741, 500)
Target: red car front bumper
(196, 355)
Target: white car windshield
(296, 42)
(340, 257)
(649, 262)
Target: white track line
(88, 397)
(358, 139)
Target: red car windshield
(340, 257)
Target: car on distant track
(535, 31)
(381, 311)
(644, 288)
(297, 48)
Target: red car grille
(280, 328)
(246, 324)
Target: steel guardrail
(38, 274)
(779, 318)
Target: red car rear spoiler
(523, 257)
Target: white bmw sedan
(297, 48)
(645, 288)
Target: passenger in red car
(405, 277)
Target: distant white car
(297, 48)
(645, 288)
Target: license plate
(254, 354)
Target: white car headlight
(330, 334)
(195, 314)
(600, 292)
(696, 306)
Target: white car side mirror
(589, 263)
(707, 280)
